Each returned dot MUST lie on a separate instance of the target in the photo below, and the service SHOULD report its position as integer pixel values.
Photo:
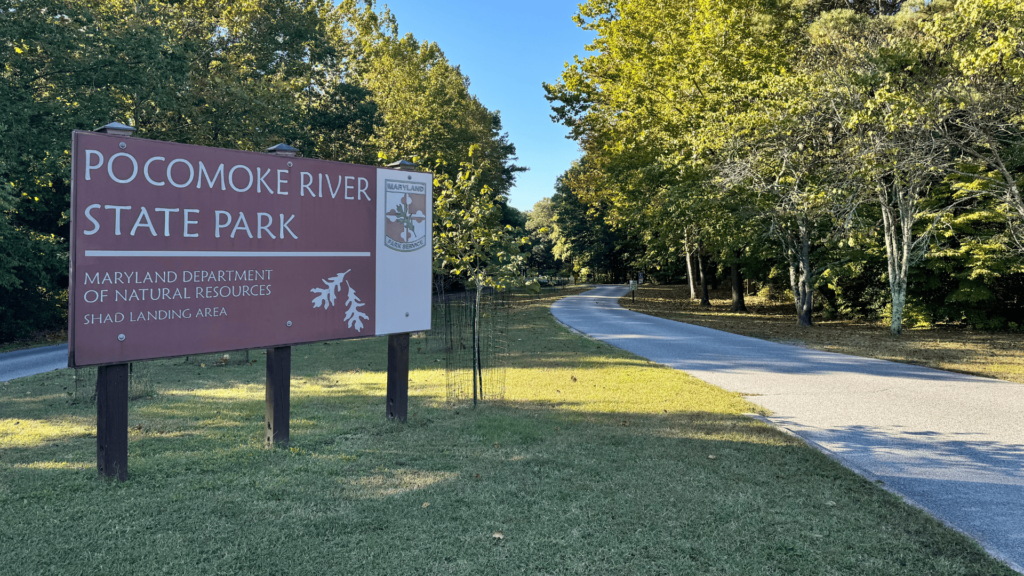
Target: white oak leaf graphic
(353, 315)
(327, 295)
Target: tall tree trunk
(794, 283)
(801, 278)
(705, 301)
(898, 232)
(689, 266)
(739, 304)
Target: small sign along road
(180, 249)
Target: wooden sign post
(398, 377)
(180, 250)
(279, 389)
(112, 421)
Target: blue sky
(507, 49)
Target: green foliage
(540, 245)
(427, 113)
(469, 240)
(338, 82)
(583, 239)
(32, 267)
(873, 149)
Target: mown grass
(957, 349)
(597, 462)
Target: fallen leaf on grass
(711, 456)
(425, 504)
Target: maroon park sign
(180, 249)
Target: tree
(64, 65)
(469, 241)
(889, 110)
(540, 226)
(651, 106)
(849, 139)
(427, 112)
(584, 240)
(791, 154)
(978, 48)
(31, 266)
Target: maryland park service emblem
(405, 215)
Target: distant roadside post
(180, 249)
(632, 289)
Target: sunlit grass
(58, 465)
(596, 462)
(28, 432)
(392, 482)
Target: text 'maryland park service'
(180, 249)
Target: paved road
(23, 363)
(950, 443)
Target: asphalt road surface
(23, 363)
(949, 443)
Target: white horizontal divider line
(217, 254)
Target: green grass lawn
(597, 462)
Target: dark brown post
(279, 364)
(397, 404)
(112, 421)
(112, 391)
(279, 384)
(398, 377)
